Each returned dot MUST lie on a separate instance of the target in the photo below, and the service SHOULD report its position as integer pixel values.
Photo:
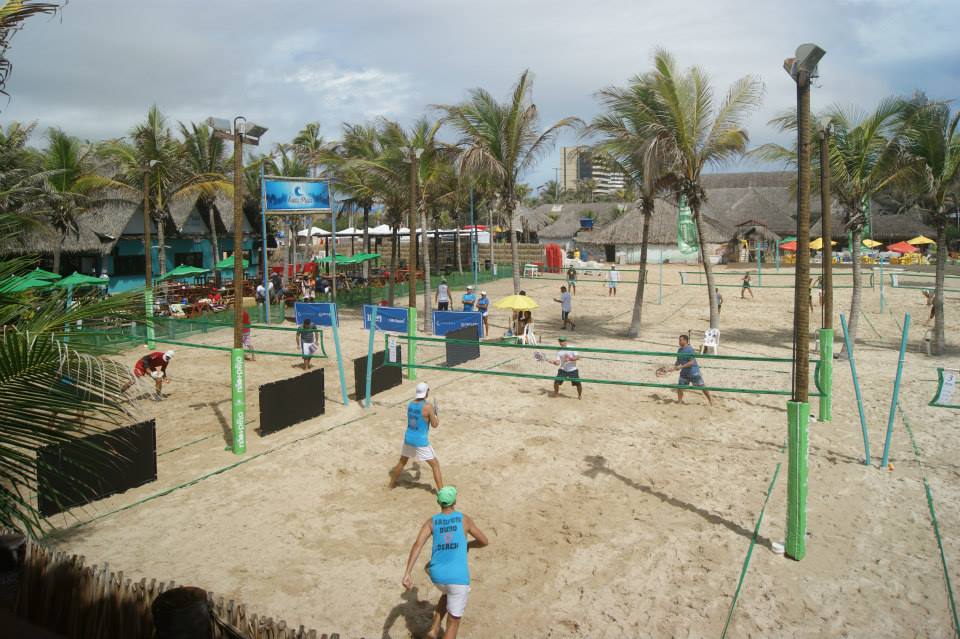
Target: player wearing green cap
(448, 567)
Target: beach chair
(528, 336)
(176, 310)
(711, 340)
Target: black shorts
(564, 315)
(573, 376)
(443, 306)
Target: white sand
(622, 515)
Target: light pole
(802, 68)
(556, 185)
(148, 254)
(240, 132)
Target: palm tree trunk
(427, 296)
(939, 338)
(855, 298)
(634, 330)
(514, 247)
(214, 245)
(366, 240)
(394, 249)
(57, 250)
(707, 269)
(161, 246)
(459, 253)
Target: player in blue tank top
(448, 567)
(421, 416)
(469, 299)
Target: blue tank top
(418, 429)
(448, 565)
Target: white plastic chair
(711, 340)
(528, 336)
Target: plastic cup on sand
(777, 548)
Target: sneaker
(157, 397)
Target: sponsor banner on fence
(447, 321)
(686, 229)
(389, 318)
(296, 196)
(319, 313)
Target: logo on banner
(296, 195)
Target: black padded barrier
(384, 377)
(97, 466)
(290, 401)
(462, 353)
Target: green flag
(686, 228)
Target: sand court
(624, 514)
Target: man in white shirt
(566, 306)
(443, 296)
(567, 361)
(613, 276)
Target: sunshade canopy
(185, 271)
(789, 246)
(920, 239)
(23, 283)
(817, 244)
(872, 243)
(357, 258)
(902, 247)
(517, 303)
(79, 279)
(40, 274)
(227, 262)
(788, 239)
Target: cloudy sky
(95, 69)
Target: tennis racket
(436, 407)
(539, 356)
(663, 371)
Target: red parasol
(789, 246)
(902, 247)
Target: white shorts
(308, 348)
(245, 341)
(457, 595)
(420, 453)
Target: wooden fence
(61, 594)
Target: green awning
(40, 274)
(227, 262)
(183, 271)
(791, 238)
(358, 258)
(79, 279)
(20, 284)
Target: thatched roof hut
(886, 228)
(762, 197)
(98, 232)
(566, 218)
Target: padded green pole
(881, 287)
(798, 429)
(896, 392)
(239, 403)
(411, 343)
(336, 344)
(825, 414)
(148, 308)
(660, 283)
(373, 331)
(856, 390)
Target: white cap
(168, 356)
(422, 390)
(470, 288)
(483, 292)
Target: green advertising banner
(686, 228)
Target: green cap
(447, 496)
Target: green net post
(369, 375)
(896, 392)
(336, 345)
(881, 287)
(660, 283)
(825, 414)
(798, 428)
(148, 309)
(411, 343)
(238, 396)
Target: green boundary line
(217, 348)
(753, 543)
(933, 520)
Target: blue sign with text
(319, 313)
(296, 196)
(446, 321)
(389, 318)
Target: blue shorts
(691, 380)
(612, 284)
(573, 376)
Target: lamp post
(801, 68)
(240, 132)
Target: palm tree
(932, 144)
(206, 154)
(626, 144)
(13, 13)
(503, 139)
(309, 147)
(691, 133)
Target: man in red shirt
(153, 364)
(247, 342)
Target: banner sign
(301, 195)
(389, 318)
(319, 313)
(947, 394)
(447, 321)
(686, 228)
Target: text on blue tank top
(418, 429)
(448, 565)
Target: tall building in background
(577, 165)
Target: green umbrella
(79, 279)
(40, 274)
(183, 271)
(227, 263)
(23, 283)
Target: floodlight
(806, 59)
(825, 124)
(221, 125)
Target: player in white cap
(153, 364)
(483, 305)
(469, 299)
(421, 416)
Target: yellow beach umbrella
(872, 243)
(517, 303)
(920, 239)
(817, 244)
